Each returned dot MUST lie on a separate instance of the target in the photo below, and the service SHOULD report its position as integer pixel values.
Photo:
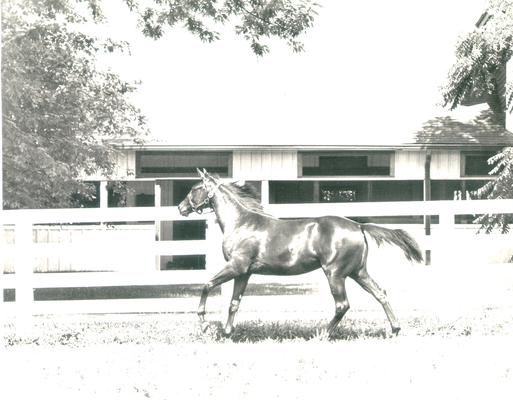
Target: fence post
(24, 269)
(446, 229)
(158, 223)
(3, 243)
(264, 195)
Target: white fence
(444, 241)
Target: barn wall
(264, 164)
(125, 164)
(409, 164)
(445, 164)
(283, 164)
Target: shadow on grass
(258, 331)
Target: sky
(370, 69)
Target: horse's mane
(247, 195)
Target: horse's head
(200, 195)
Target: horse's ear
(203, 173)
(213, 178)
(200, 173)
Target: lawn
(456, 343)
(164, 356)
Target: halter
(198, 208)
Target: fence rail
(132, 214)
(24, 250)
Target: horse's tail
(394, 236)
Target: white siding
(445, 164)
(409, 164)
(125, 164)
(264, 164)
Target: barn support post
(427, 197)
(158, 203)
(24, 270)
(104, 194)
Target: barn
(444, 159)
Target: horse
(255, 242)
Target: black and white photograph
(256, 199)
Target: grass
(164, 356)
(456, 348)
(175, 329)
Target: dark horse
(258, 243)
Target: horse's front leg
(230, 271)
(239, 286)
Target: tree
(255, 20)
(478, 75)
(501, 188)
(58, 109)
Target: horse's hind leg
(338, 290)
(239, 286)
(365, 281)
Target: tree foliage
(501, 188)
(479, 74)
(480, 57)
(255, 20)
(58, 109)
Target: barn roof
(483, 128)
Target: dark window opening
(397, 191)
(183, 230)
(90, 198)
(151, 164)
(476, 164)
(455, 189)
(188, 262)
(346, 164)
(342, 192)
(338, 195)
(131, 194)
(283, 192)
(180, 190)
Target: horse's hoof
(204, 326)
(395, 330)
(228, 332)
